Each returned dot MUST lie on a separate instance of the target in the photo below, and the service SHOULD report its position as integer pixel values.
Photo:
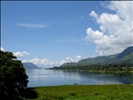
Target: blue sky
(55, 32)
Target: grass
(85, 92)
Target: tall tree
(13, 78)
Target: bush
(13, 78)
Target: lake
(42, 77)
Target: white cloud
(69, 59)
(123, 8)
(2, 49)
(115, 32)
(37, 61)
(78, 57)
(21, 54)
(45, 63)
(66, 60)
(42, 62)
(93, 14)
(32, 25)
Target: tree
(13, 78)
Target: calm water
(41, 77)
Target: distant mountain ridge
(29, 65)
(126, 52)
(125, 57)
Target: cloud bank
(44, 62)
(115, 30)
(69, 59)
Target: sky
(50, 33)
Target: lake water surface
(41, 77)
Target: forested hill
(28, 65)
(121, 59)
(126, 56)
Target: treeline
(96, 67)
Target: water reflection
(126, 78)
(41, 77)
(105, 78)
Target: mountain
(125, 57)
(29, 65)
(126, 52)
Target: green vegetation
(85, 92)
(114, 68)
(119, 62)
(13, 78)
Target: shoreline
(80, 85)
(96, 71)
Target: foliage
(96, 67)
(13, 78)
(86, 92)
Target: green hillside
(120, 60)
(125, 56)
